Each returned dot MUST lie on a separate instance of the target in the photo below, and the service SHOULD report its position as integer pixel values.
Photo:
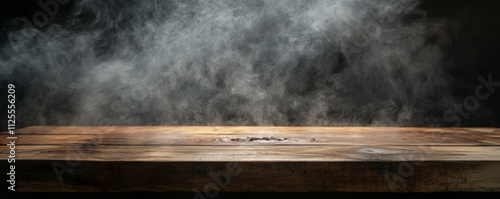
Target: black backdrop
(473, 51)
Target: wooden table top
(375, 153)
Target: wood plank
(221, 130)
(432, 176)
(256, 153)
(138, 136)
(359, 159)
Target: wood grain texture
(361, 159)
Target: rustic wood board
(358, 159)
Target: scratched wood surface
(359, 159)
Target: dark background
(472, 52)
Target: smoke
(259, 62)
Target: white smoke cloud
(146, 62)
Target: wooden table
(211, 159)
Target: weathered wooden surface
(361, 159)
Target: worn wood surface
(361, 159)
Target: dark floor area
(261, 195)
